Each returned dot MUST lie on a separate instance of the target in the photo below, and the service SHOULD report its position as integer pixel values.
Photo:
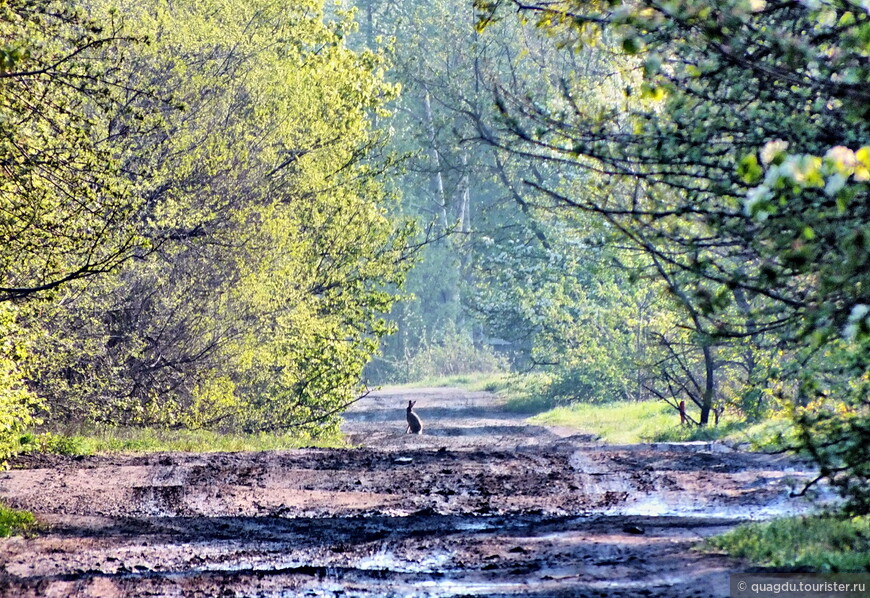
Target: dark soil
(481, 504)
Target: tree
(437, 180)
(67, 212)
(273, 257)
(744, 131)
(65, 208)
(459, 189)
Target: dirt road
(482, 504)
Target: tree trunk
(435, 156)
(706, 403)
(709, 386)
(464, 193)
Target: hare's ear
(411, 403)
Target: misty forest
(241, 216)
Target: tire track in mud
(480, 504)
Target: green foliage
(620, 422)
(66, 210)
(440, 180)
(740, 171)
(49, 443)
(461, 189)
(548, 299)
(17, 402)
(510, 272)
(267, 257)
(454, 357)
(821, 543)
(438, 365)
(833, 418)
(14, 522)
(491, 382)
(656, 421)
(526, 392)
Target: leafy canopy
(744, 134)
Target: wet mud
(480, 504)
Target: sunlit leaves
(749, 169)
(17, 402)
(65, 211)
(271, 256)
(788, 175)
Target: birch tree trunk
(435, 157)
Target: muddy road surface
(481, 504)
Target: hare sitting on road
(415, 425)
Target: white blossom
(754, 197)
(843, 157)
(771, 149)
(859, 312)
(791, 169)
(835, 182)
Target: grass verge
(655, 421)
(823, 543)
(144, 440)
(619, 423)
(13, 522)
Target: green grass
(525, 393)
(91, 441)
(14, 522)
(655, 421)
(620, 423)
(822, 543)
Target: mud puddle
(480, 505)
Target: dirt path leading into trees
(482, 504)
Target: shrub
(15, 522)
(17, 402)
